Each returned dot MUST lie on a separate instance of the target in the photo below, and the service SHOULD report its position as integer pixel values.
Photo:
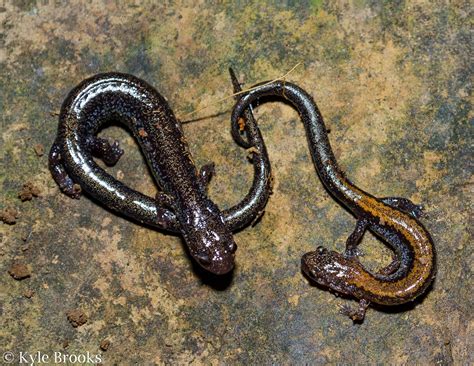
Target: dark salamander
(394, 220)
(182, 205)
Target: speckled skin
(182, 205)
(391, 219)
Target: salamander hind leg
(405, 205)
(356, 314)
(164, 200)
(60, 175)
(354, 239)
(391, 268)
(104, 150)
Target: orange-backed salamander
(394, 220)
(182, 205)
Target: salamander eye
(203, 258)
(321, 250)
(232, 247)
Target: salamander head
(209, 240)
(329, 269)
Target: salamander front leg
(354, 239)
(60, 175)
(205, 174)
(405, 205)
(356, 314)
(104, 150)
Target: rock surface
(393, 84)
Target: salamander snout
(314, 263)
(311, 263)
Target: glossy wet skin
(403, 280)
(183, 205)
(394, 219)
(209, 241)
(328, 269)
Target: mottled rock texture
(392, 79)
